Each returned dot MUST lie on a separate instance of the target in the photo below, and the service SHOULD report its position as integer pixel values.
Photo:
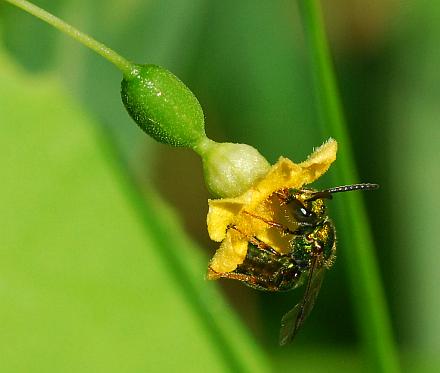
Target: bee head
(308, 206)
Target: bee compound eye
(301, 213)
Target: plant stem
(120, 62)
(367, 290)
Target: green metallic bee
(313, 247)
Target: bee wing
(293, 320)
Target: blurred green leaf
(92, 276)
(415, 174)
(246, 64)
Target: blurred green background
(103, 242)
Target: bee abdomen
(270, 271)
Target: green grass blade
(367, 291)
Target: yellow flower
(249, 213)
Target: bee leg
(282, 228)
(257, 242)
(248, 279)
(263, 245)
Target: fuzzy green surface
(163, 106)
(231, 169)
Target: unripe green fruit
(163, 106)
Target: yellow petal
(220, 215)
(319, 161)
(232, 252)
(288, 175)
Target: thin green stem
(367, 290)
(120, 62)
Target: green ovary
(163, 106)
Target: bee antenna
(319, 195)
(349, 188)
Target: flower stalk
(120, 62)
